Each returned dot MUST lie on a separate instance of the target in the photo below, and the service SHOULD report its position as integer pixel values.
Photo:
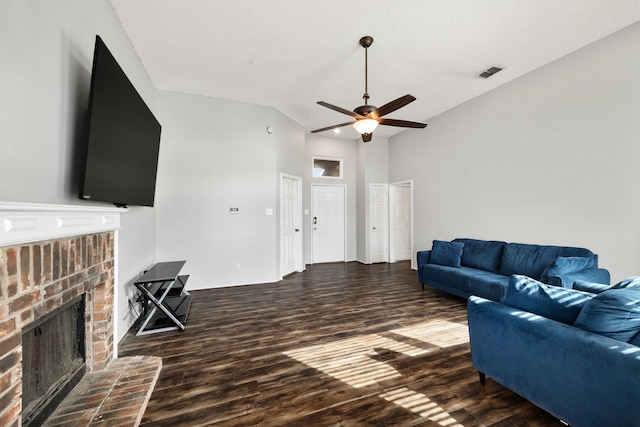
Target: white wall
(217, 154)
(549, 158)
(47, 52)
(324, 146)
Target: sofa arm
(594, 275)
(423, 258)
(581, 377)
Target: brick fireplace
(49, 256)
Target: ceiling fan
(368, 117)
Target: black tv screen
(123, 138)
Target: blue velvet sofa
(574, 354)
(466, 267)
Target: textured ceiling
(291, 53)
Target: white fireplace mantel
(30, 222)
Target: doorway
(290, 224)
(328, 223)
(401, 222)
(378, 223)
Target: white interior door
(401, 221)
(328, 223)
(378, 221)
(290, 225)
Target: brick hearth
(116, 396)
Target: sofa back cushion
(482, 254)
(446, 253)
(532, 260)
(552, 302)
(614, 313)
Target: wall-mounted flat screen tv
(123, 138)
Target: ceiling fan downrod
(365, 42)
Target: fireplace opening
(53, 360)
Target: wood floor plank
(342, 344)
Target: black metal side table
(165, 301)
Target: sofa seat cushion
(614, 313)
(468, 280)
(482, 254)
(552, 302)
(446, 253)
(587, 286)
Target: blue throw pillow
(614, 313)
(627, 283)
(566, 265)
(552, 302)
(446, 253)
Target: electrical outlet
(237, 267)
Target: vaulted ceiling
(291, 53)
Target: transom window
(327, 167)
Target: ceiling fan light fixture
(365, 125)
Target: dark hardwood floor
(341, 344)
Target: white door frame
(392, 201)
(313, 214)
(298, 252)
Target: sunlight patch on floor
(349, 360)
(352, 361)
(437, 332)
(420, 404)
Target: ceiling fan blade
(402, 123)
(341, 110)
(332, 127)
(393, 106)
(366, 137)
